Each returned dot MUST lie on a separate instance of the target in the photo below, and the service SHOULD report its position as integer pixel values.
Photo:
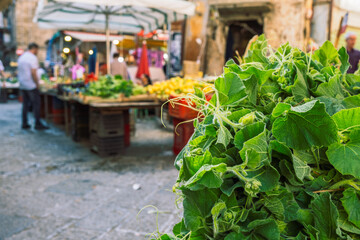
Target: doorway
(240, 33)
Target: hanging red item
(143, 67)
(141, 33)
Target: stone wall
(283, 21)
(27, 31)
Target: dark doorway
(240, 33)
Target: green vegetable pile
(109, 87)
(276, 154)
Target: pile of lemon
(177, 86)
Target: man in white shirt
(29, 85)
(118, 68)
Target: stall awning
(351, 6)
(94, 37)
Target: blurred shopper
(29, 85)
(2, 69)
(118, 68)
(354, 55)
(145, 80)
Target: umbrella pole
(107, 32)
(168, 65)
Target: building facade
(27, 31)
(228, 25)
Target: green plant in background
(277, 153)
(109, 87)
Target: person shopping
(29, 84)
(354, 54)
(119, 68)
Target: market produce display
(176, 86)
(111, 87)
(277, 152)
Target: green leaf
(346, 225)
(229, 186)
(236, 115)
(179, 229)
(288, 171)
(230, 88)
(351, 203)
(224, 136)
(259, 145)
(235, 236)
(326, 54)
(306, 126)
(302, 170)
(332, 105)
(275, 206)
(344, 59)
(252, 158)
(347, 118)
(207, 176)
(325, 216)
(197, 207)
(332, 88)
(264, 229)
(305, 217)
(280, 109)
(218, 209)
(300, 88)
(248, 132)
(267, 175)
(346, 157)
(352, 102)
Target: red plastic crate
(182, 134)
(177, 110)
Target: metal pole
(107, 32)
(168, 66)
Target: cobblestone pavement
(54, 188)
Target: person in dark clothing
(354, 55)
(29, 85)
(146, 80)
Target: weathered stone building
(228, 25)
(27, 31)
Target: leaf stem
(316, 158)
(345, 182)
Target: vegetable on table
(177, 86)
(276, 151)
(109, 87)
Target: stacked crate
(3, 95)
(109, 131)
(79, 115)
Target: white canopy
(128, 16)
(343, 6)
(125, 16)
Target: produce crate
(108, 123)
(109, 146)
(79, 121)
(177, 110)
(182, 134)
(57, 111)
(3, 95)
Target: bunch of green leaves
(276, 153)
(109, 87)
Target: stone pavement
(53, 188)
